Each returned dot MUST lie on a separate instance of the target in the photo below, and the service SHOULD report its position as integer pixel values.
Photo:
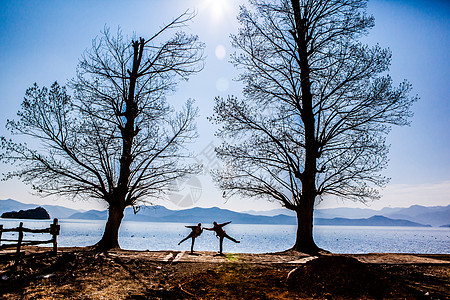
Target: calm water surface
(254, 238)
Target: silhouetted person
(196, 231)
(221, 234)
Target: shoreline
(78, 272)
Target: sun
(217, 9)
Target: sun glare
(217, 9)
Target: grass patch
(232, 257)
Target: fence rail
(53, 230)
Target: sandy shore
(78, 273)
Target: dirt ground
(79, 273)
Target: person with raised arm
(217, 228)
(196, 231)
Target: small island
(38, 213)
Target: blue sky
(43, 40)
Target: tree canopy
(115, 138)
(316, 107)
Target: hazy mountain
(90, 215)
(12, 205)
(372, 221)
(60, 212)
(435, 216)
(345, 212)
(429, 215)
(204, 215)
(54, 211)
(207, 215)
(271, 213)
(340, 212)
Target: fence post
(1, 231)
(54, 230)
(19, 243)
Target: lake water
(254, 238)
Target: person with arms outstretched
(217, 228)
(196, 231)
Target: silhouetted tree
(116, 139)
(316, 109)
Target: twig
(190, 294)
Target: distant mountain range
(54, 211)
(430, 215)
(372, 221)
(194, 215)
(412, 216)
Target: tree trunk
(110, 239)
(305, 240)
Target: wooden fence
(20, 241)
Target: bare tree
(316, 109)
(116, 139)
